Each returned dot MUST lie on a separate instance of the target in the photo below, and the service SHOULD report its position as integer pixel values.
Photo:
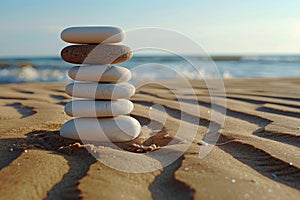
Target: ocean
(53, 69)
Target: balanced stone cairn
(101, 116)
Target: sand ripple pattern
(257, 155)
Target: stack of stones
(102, 115)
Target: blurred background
(245, 39)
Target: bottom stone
(117, 129)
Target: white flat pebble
(118, 129)
(100, 90)
(93, 35)
(90, 108)
(100, 73)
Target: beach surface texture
(257, 155)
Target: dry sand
(256, 157)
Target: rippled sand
(257, 155)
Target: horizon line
(191, 54)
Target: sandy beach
(256, 157)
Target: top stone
(93, 35)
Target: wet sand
(257, 155)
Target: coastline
(257, 154)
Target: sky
(32, 28)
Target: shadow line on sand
(166, 186)
(289, 139)
(58, 97)
(260, 102)
(79, 159)
(279, 112)
(67, 187)
(180, 115)
(10, 150)
(25, 111)
(264, 163)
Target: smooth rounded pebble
(100, 54)
(100, 73)
(93, 34)
(91, 108)
(117, 129)
(100, 90)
